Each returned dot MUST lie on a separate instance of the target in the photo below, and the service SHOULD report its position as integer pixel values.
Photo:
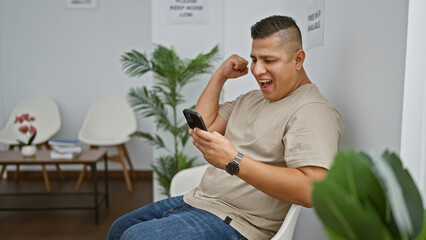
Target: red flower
(26, 116)
(26, 128)
(23, 129)
(33, 130)
(18, 120)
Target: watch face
(232, 168)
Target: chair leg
(125, 172)
(58, 169)
(80, 178)
(46, 177)
(126, 154)
(89, 173)
(61, 174)
(3, 168)
(16, 172)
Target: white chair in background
(108, 123)
(47, 122)
(187, 179)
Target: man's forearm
(287, 184)
(208, 103)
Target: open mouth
(264, 84)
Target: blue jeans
(171, 219)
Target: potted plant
(27, 128)
(367, 197)
(161, 102)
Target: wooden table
(89, 157)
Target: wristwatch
(233, 166)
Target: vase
(29, 150)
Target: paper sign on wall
(314, 32)
(187, 12)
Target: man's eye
(269, 61)
(253, 60)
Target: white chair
(286, 230)
(187, 179)
(109, 122)
(47, 122)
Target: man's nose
(258, 69)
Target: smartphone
(194, 119)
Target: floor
(67, 224)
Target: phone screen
(194, 119)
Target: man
(266, 148)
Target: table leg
(3, 168)
(106, 180)
(95, 190)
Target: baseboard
(53, 174)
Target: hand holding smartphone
(194, 119)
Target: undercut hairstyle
(277, 24)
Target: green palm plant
(171, 74)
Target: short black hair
(270, 25)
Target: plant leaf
(422, 235)
(21, 143)
(154, 140)
(344, 214)
(411, 194)
(135, 63)
(352, 172)
(150, 105)
(30, 141)
(165, 169)
(395, 195)
(353, 181)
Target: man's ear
(299, 58)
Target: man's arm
(208, 103)
(292, 185)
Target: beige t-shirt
(299, 130)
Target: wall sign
(81, 4)
(314, 32)
(187, 12)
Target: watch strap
(238, 158)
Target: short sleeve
(312, 136)
(225, 109)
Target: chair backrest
(108, 122)
(47, 121)
(186, 180)
(286, 230)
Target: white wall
(73, 57)
(413, 140)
